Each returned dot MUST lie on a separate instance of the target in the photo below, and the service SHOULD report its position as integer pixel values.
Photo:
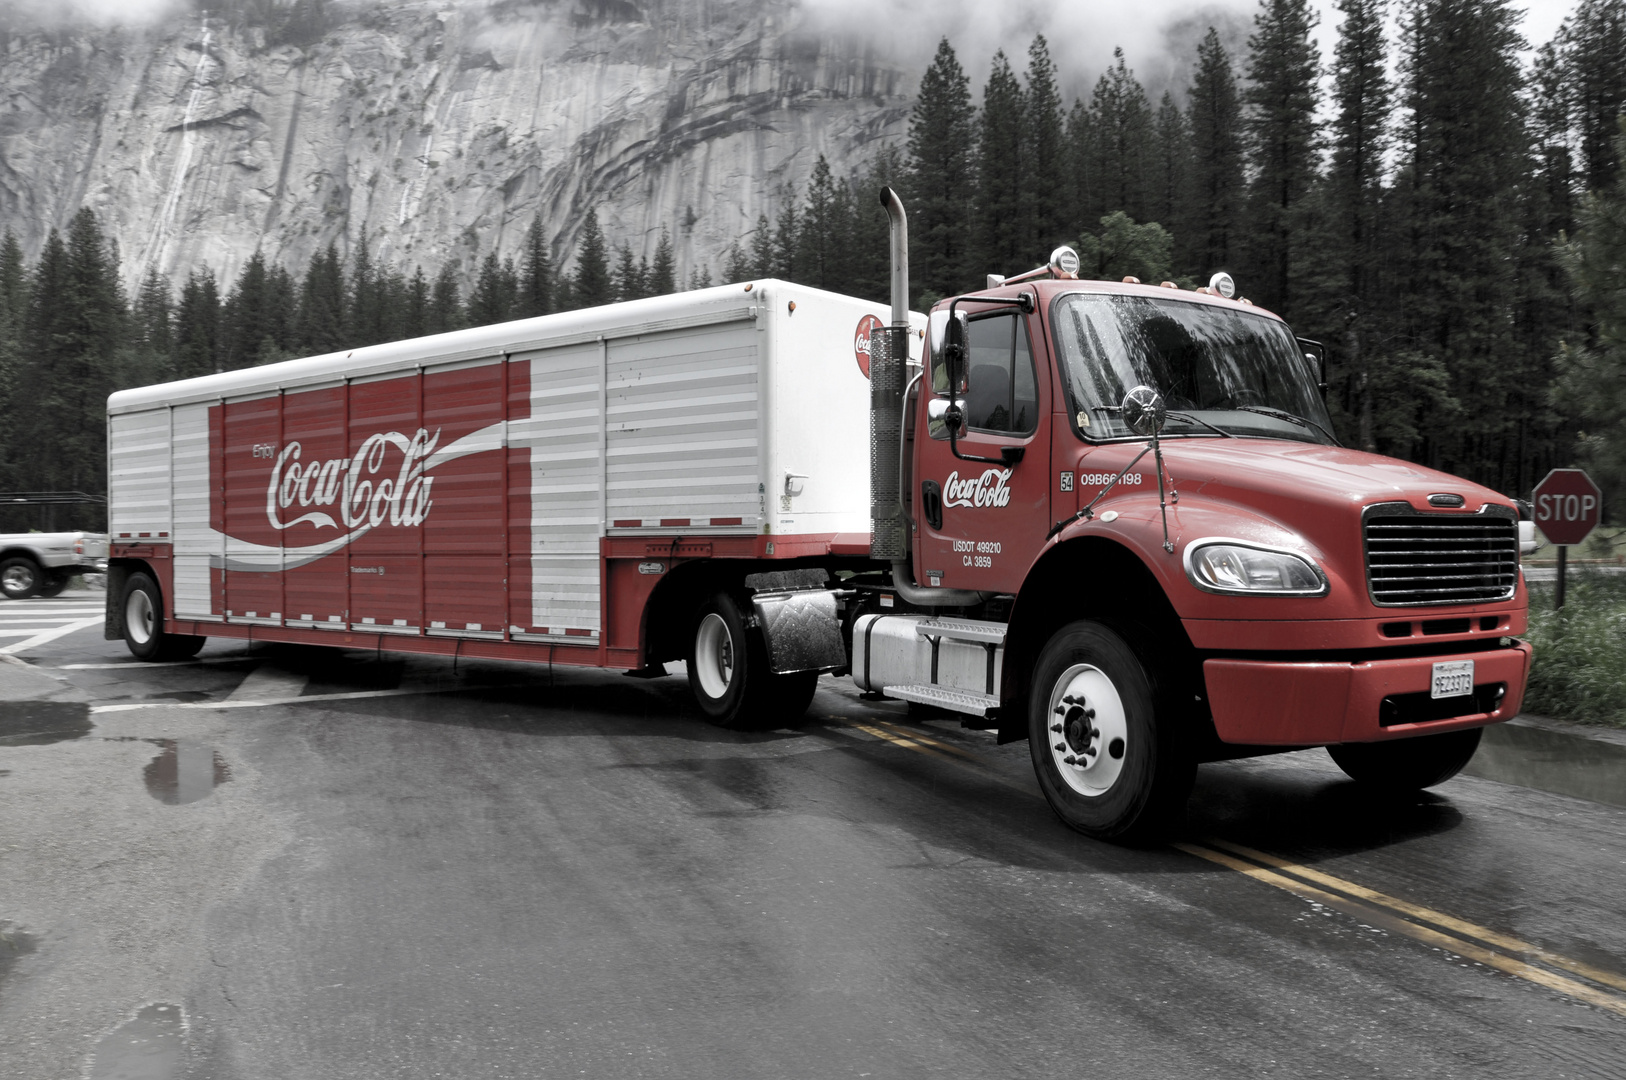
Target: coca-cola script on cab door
(362, 492)
(976, 491)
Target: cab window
(1000, 389)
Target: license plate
(1453, 678)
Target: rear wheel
(1109, 765)
(1408, 764)
(729, 674)
(144, 624)
(20, 577)
(53, 586)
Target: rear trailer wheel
(729, 674)
(20, 577)
(1108, 764)
(1408, 764)
(144, 624)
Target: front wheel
(1408, 764)
(144, 624)
(20, 577)
(1109, 765)
(729, 674)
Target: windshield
(1215, 365)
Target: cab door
(980, 524)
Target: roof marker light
(1169, 285)
(1131, 279)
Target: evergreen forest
(1447, 219)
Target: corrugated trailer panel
(140, 472)
(312, 481)
(197, 547)
(684, 427)
(562, 437)
(464, 543)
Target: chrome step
(992, 633)
(960, 701)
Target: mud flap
(801, 629)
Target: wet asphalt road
(498, 872)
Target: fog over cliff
(442, 127)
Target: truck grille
(1417, 559)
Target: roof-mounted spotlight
(1222, 284)
(1064, 263)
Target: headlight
(1237, 567)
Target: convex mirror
(1143, 411)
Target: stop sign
(1568, 506)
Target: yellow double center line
(1494, 949)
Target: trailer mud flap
(801, 629)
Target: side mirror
(1315, 354)
(1143, 411)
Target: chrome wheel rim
(17, 579)
(139, 617)
(1088, 732)
(714, 656)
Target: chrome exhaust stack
(888, 369)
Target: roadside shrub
(1579, 671)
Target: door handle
(931, 503)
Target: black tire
(729, 675)
(53, 586)
(1407, 764)
(20, 577)
(1135, 774)
(142, 607)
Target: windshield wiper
(1282, 414)
(1187, 418)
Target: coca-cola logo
(370, 488)
(989, 489)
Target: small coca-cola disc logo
(868, 327)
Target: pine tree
(1593, 371)
(417, 305)
(363, 309)
(1208, 233)
(197, 326)
(488, 300)
(662, 277)
(761, 261)
(1000, 247)
(1280, 125)
(153, 323)
(1168, 173)
(535, 274)
(319, 324)
(445, 304)
(736, 264)
(592, 284)
(1044, 203)
(1353, 194)
(868, 264)
(13, 316)
(250, 319)
(940, 177)
(1120, 144)
(1079, 184)
(1593, 44)
(818, 245)
(628, 285)
(1465, 161)
(700, 277)
(786, 239)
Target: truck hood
(1264, 470)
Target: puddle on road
(185, 772)
(1553, 761)
(147, 1047)
(36, 723)
(14, 945)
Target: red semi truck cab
(1107, 518)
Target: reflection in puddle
(35, 723)
(1552, 761)
(147, 1047)
(185, 772)
(14, 944)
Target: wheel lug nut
(1056, 728)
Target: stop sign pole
(1568, 506)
